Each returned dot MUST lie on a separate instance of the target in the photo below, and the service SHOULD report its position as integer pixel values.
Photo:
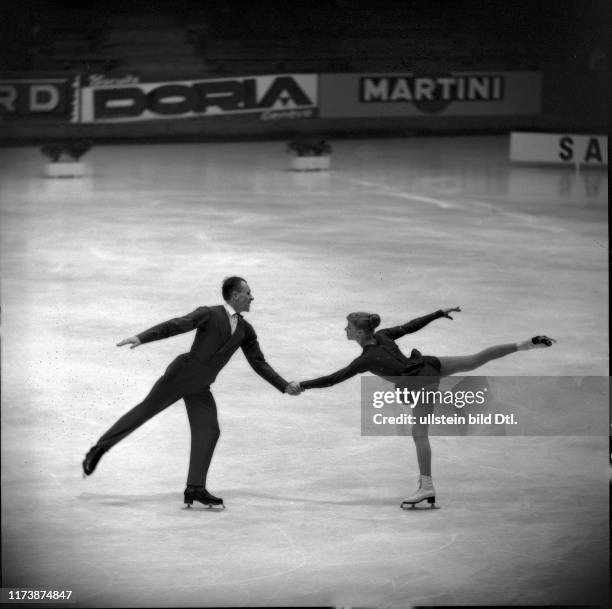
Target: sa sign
(583, 150)
(559, 148)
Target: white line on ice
(58, 483)
(368, 183)
(437, 549)
(384, 189)
(548, 557)
(420, 198)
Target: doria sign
(290, 96)
(31, 98)
(453, 94)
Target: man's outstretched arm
(256, 359)
(178, 325)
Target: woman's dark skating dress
(385, 358)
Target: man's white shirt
(233, 317)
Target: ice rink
(401, 227)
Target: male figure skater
(220, 330)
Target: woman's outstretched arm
(416, 324)
(355, 367)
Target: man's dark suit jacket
(212, 348)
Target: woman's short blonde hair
(364, 321)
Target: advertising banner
(410, 94)
(27, 99)
(270, 97)
(561, 148)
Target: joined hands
(293, 388)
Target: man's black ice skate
(199, 493)
(91, 459)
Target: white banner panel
(559, 148)
(271, 97)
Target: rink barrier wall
(96, 106)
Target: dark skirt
(420, 372)
(422, 365)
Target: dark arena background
(396, 157)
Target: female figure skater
(381, 356)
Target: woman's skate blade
(412, 505)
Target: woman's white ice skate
(425, 492)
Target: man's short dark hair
(229, 285)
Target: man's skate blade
(204, 508)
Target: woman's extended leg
(420, 431)
(465, 363)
